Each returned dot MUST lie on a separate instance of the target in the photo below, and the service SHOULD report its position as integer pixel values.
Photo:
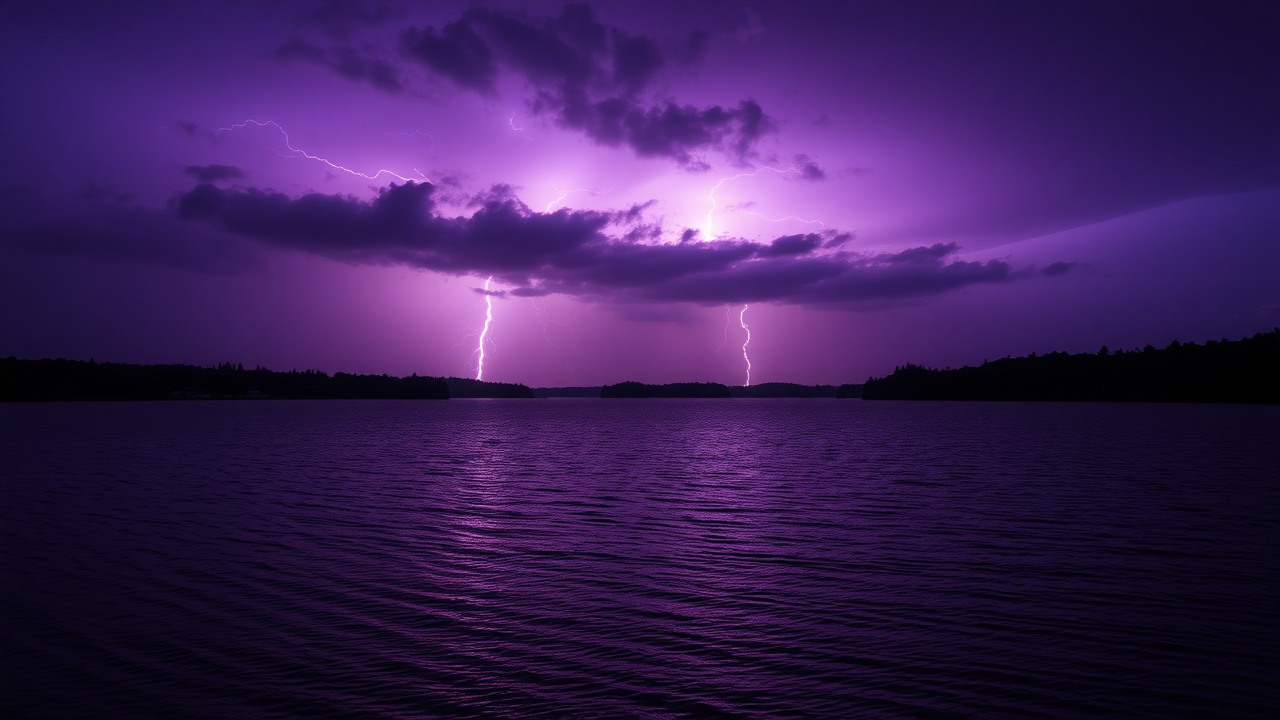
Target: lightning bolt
(726, 330)
(819, 223)
(512, 122)
(488, 318)
(566, 193)
(708, 231)
(298, 152)
(545, 319)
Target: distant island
(70, 380)
(783, 390)
(567, 392)
(672, 390)
(1240, 371)
(695, 390)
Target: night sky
(330, 185)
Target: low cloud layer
(583, 253)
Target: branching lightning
(726, 330)
(298, 152)
(708, 231)
(566, 193)
(512, 122)
(545, 319)
(819, 223)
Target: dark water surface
(651, 558)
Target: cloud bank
(580, 253)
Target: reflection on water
(597, 558)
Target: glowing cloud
(707, 230)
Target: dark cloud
(358, 64)
(809, 170)
(586, 76)
(570, 252)
(1058, 268)
(790, 245)
(666, 130)
(400, 226)
(922, 254)
(635, 212)
(835, 239)
(636, 60)
(213, 173)
(691, 50)
(457, 52)
(583, 253)
(589, 77)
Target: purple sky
(328, 185)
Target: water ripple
(657, 558)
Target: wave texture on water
(595, 558)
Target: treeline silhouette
(783, 390)
(672, 390)
(46, 380)
(849, 390)
(1240, 371)
(468, 388)
(696, 390)
(567, 392)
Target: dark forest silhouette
(671, 390)
(468, 388)
(568, 392)
(848, 391)
(783, 390)
(37, 380)
(1240, 371)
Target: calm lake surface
(639, 558)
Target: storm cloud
(358, 64)
(574, 253)
(589, 77)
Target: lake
(639, 558)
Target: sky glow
(880, 182)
